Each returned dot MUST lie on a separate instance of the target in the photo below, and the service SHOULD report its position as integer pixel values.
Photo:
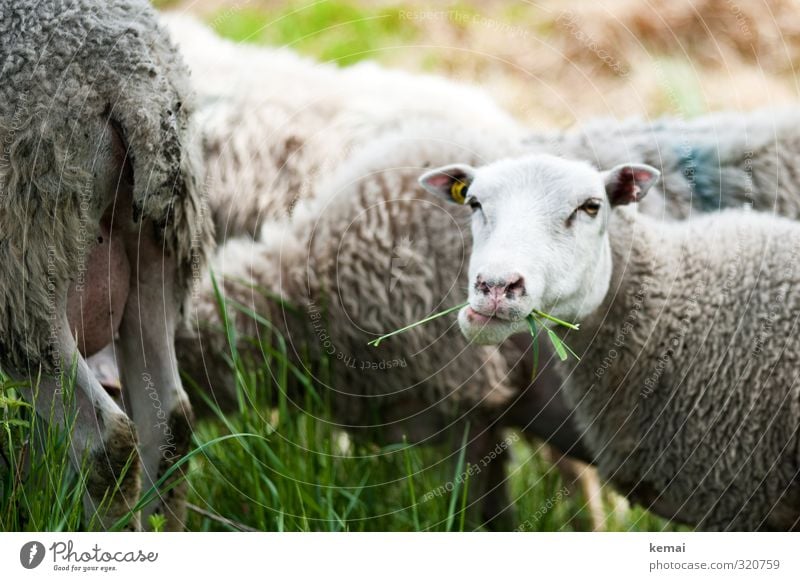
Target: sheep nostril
(481, 286)
(515, 286)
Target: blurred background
(550, 62)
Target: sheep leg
(102, 435)
(488, 491)
(153, 392)
(593, 493)
(583, 479)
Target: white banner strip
(401, 556)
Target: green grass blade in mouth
(543, 315)
(557, 345)
(562, 349)
(535, 347)
(376, 342)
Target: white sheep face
(540, 237)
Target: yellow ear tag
(458, 191)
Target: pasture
(552, 64)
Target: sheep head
(540, 237)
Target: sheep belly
(96, 299)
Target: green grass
(164, 3)
(680, 93)
(38, 489)
(330, 30)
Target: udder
(96, 300)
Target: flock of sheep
(129, 138)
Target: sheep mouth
(487, 329)
(478, 318)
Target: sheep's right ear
(628, 183)
(450, 181)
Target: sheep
(716, 161)
(268, 149)
(102, 229)
(266, 145)
(685, 386)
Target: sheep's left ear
(628, 183)
(450, 181)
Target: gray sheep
(686, 386)
(717, 161)
(102, 230)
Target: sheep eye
(474, 204)
(591, 207)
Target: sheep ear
(450, 182)
(628, 183)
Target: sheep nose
(509, 287)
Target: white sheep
(268, 146)
(686, 381)
(101, 230)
